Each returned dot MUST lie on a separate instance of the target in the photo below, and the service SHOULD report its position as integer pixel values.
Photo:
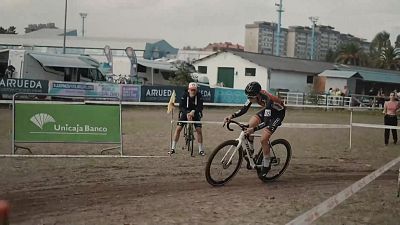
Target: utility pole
(278, 39)
(313, 20)
(65, 25)
(83, 15)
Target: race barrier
(66, 123)
(329, 204)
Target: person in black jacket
(190, 109)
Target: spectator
(191, 109)
(338, 92)
(390, 108)
(345, 91)
(8, 73)
(380, 98)
(330, 91)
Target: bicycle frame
(244, 143)
(188, 134)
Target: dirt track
(174, 190)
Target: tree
(397, 43)
(331, 56)
(183, 76)
(389, 59)
(351, 54)
(380, 41)
(10, 30)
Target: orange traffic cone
(4, 211)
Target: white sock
(173, 145)
(266, 161)
(200, 147)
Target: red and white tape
(324, 207)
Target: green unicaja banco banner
(67, 123)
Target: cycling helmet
(192, 86)
(253, 89)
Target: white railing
(298, 98)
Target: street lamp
(313, 20)
(83, 15)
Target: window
(202, 69)
(310, 79)
(250, 72)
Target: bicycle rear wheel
(223, 163)
(281, 153)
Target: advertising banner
(163, 93)
(130, 92)
(228, 95)
(12, 86)
(159, 93)
(72, 88)
(84, 89)
(207, 93)
(67, 123)
(107, 90)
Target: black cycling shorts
(183, 117)
(273, 116)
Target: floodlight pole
(65, 25)
(278, 39)
(313, 21)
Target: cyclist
(268, 118)
(191, 109)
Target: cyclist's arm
(243, 110)
(182, 105)
(199, 106)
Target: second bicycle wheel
(281, 153)
(223, 163)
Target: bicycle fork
(229, 156)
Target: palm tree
(397, 43)
(380, 41)
(389, 58)
(351, 54)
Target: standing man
(190, 109)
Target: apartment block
(261, 37)
(296, 41)
(299, 42)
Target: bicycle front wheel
(281, 153)
(191, 139)
(223, 163)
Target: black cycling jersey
(188, 103)
(272, 113)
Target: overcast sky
(199, 22)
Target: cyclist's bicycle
(226, 159)
(188, 133)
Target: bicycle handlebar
(242, 126)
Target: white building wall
(295, 82)
(334, 82)
(239, 64)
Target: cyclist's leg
(181, 117)
(253, 122)
(199, 132)
(274, 122)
